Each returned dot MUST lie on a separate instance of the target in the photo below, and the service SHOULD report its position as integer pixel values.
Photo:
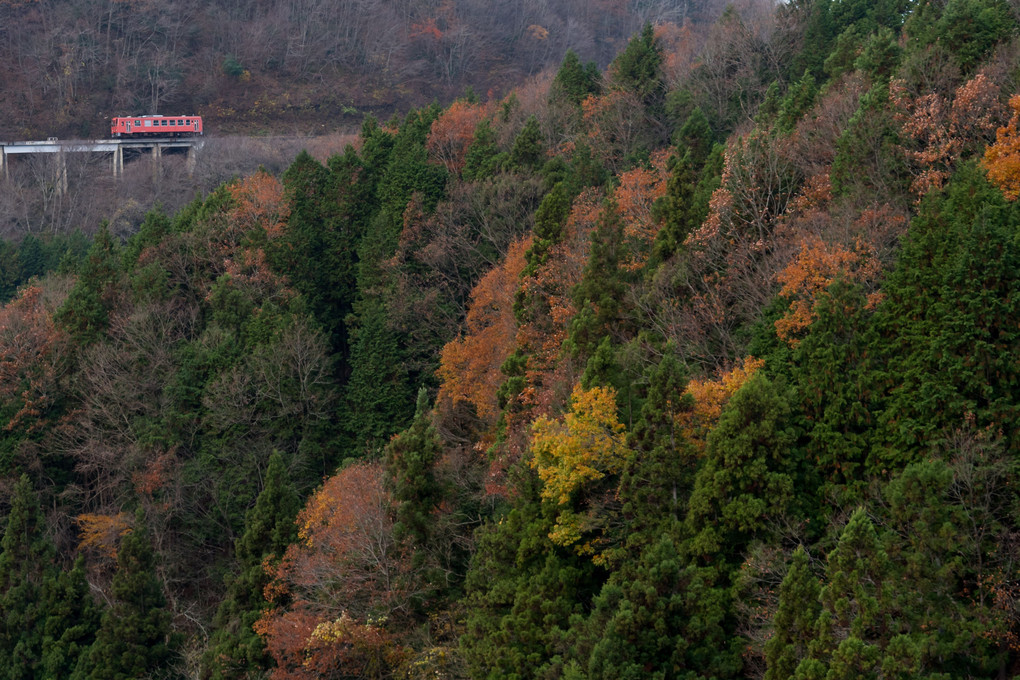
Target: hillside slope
(704, 366)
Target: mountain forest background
(692, 355)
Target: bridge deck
(96, 145)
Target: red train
(156, 126)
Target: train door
(129, 126)
(194, 125)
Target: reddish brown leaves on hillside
(551, 287)
(29, 349)
(335, 588)
(452, 133)
(259, 203)
(470, 365)
(726, 273)
(943, 130)
(680, 45)
(637, 192)
(615, 124)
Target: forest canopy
(699, 365)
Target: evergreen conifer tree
(678, 209)
(639, 618)
(379, 394)
(836, 380)
(950, 321)
(745, 478)
(25, 564)
(575, 80)
(84, 313)
(524, 594)
(318, 248)
(600, 293)
(235, 650)
(410, 463)
(637, 68)
(852, 606)
(794, 622)
(72, 619)
(657, 479)
(696, 138)
(528, 149)
(134, 638)
(483, 159)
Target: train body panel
(156, 126)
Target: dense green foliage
(702, 367)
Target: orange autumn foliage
(709, 397)
(102, 533)
(548, 377)
(680, 46)
(470, 365)
(637, 192)
(344, 569)
(543, 335)
(452, 132)
(815, 267)
(612, 121)
(259, 204)
(305, 647)
(1002, 159)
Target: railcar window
(138, 122)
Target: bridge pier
(157, 153)
(61, 179)
(118, 161)
(4, 172)
(189, 162)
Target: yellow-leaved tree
(571, 454)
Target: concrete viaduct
(116, 147)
